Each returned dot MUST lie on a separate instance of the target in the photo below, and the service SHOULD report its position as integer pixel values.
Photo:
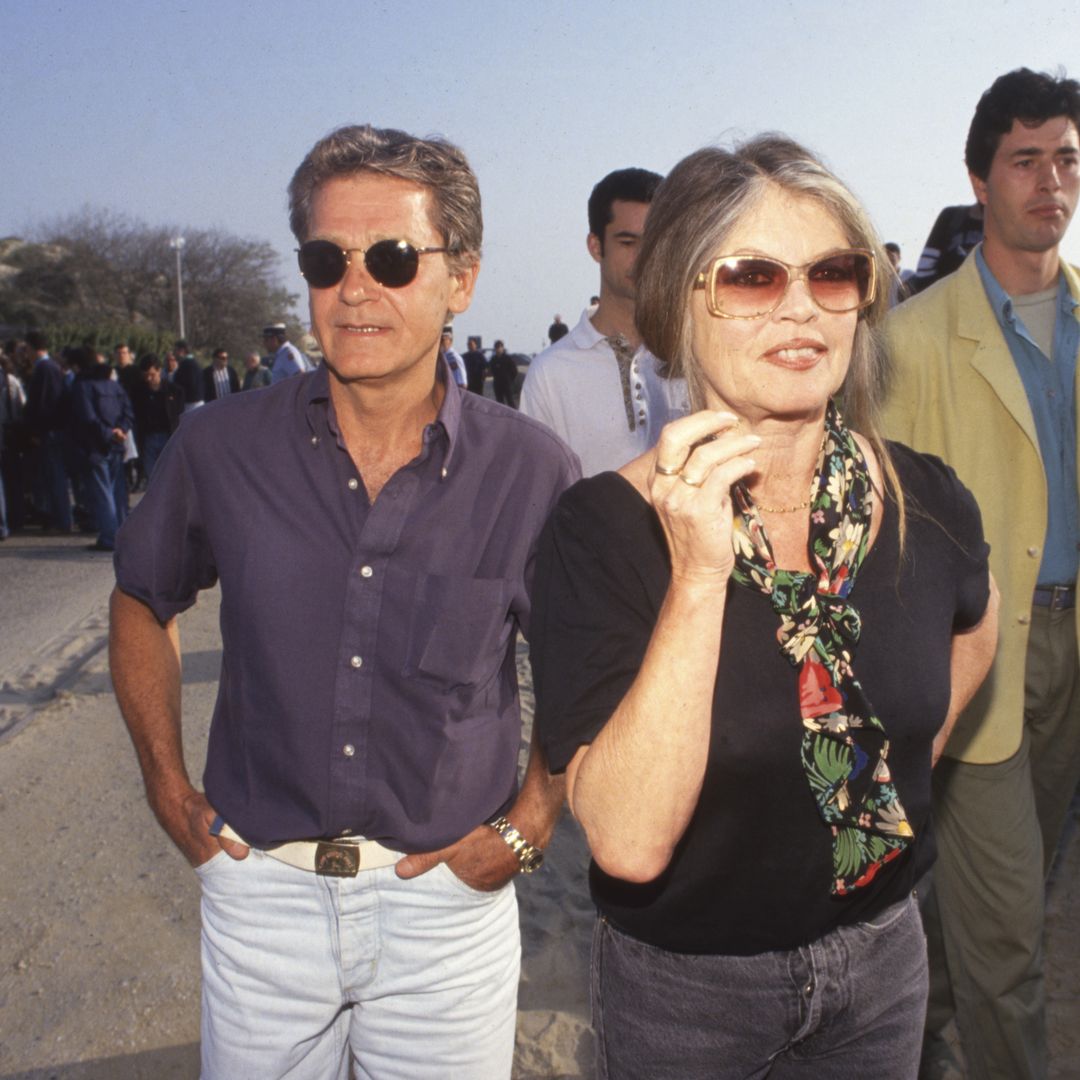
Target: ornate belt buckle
(337, 860)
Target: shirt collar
(448, 420)
(586, 336)
(1002, 302)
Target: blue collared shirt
(368, 680)
(1050, 386)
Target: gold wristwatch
(531, 858)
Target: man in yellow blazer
(985, 377)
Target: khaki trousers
(997, 828)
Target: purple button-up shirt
(368, 680)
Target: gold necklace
(782, 509)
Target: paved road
(99, 955)
(48, 586)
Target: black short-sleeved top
(753, 870)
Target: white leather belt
(344, 857)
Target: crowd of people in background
(471, 370)
(82, 431)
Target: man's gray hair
(432, 163)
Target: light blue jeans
(849, 1006)
(106, 489)
(405, 980)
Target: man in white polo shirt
(597, 387)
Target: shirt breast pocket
(459, 629)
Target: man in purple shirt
(373, 528)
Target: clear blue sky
(197, 113)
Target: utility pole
(177, 244)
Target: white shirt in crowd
(289, 360)
(574, 386)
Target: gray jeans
(849, 1005)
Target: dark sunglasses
(392, 263)
(750, 286)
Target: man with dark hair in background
(504, 374)
(47, 415)
(452, 358)
(102, 418)
(598, 387)
(130, 378)
(127, 371)
(898, 290)
(557, 330)
(362, 819)
(158, 405)
(188, 375)
(219, 380)
(475, 366)
(986, 379)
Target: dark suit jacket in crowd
(100, 405)
(188, 377)
(209, 390)
(46, 397)
(157, 412)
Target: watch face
(532, 861)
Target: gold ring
(664, 470)
(691, 483)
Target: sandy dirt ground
(99, 956)
(100, 953)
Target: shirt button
(357, 661)
(444, 472)
(348, 749)
(1023, 620)
(1033, 551)
(314, 440)
(353, 483)
(366, 571)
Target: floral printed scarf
(844, 746)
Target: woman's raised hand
(694, 466)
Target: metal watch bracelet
(529, 857)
